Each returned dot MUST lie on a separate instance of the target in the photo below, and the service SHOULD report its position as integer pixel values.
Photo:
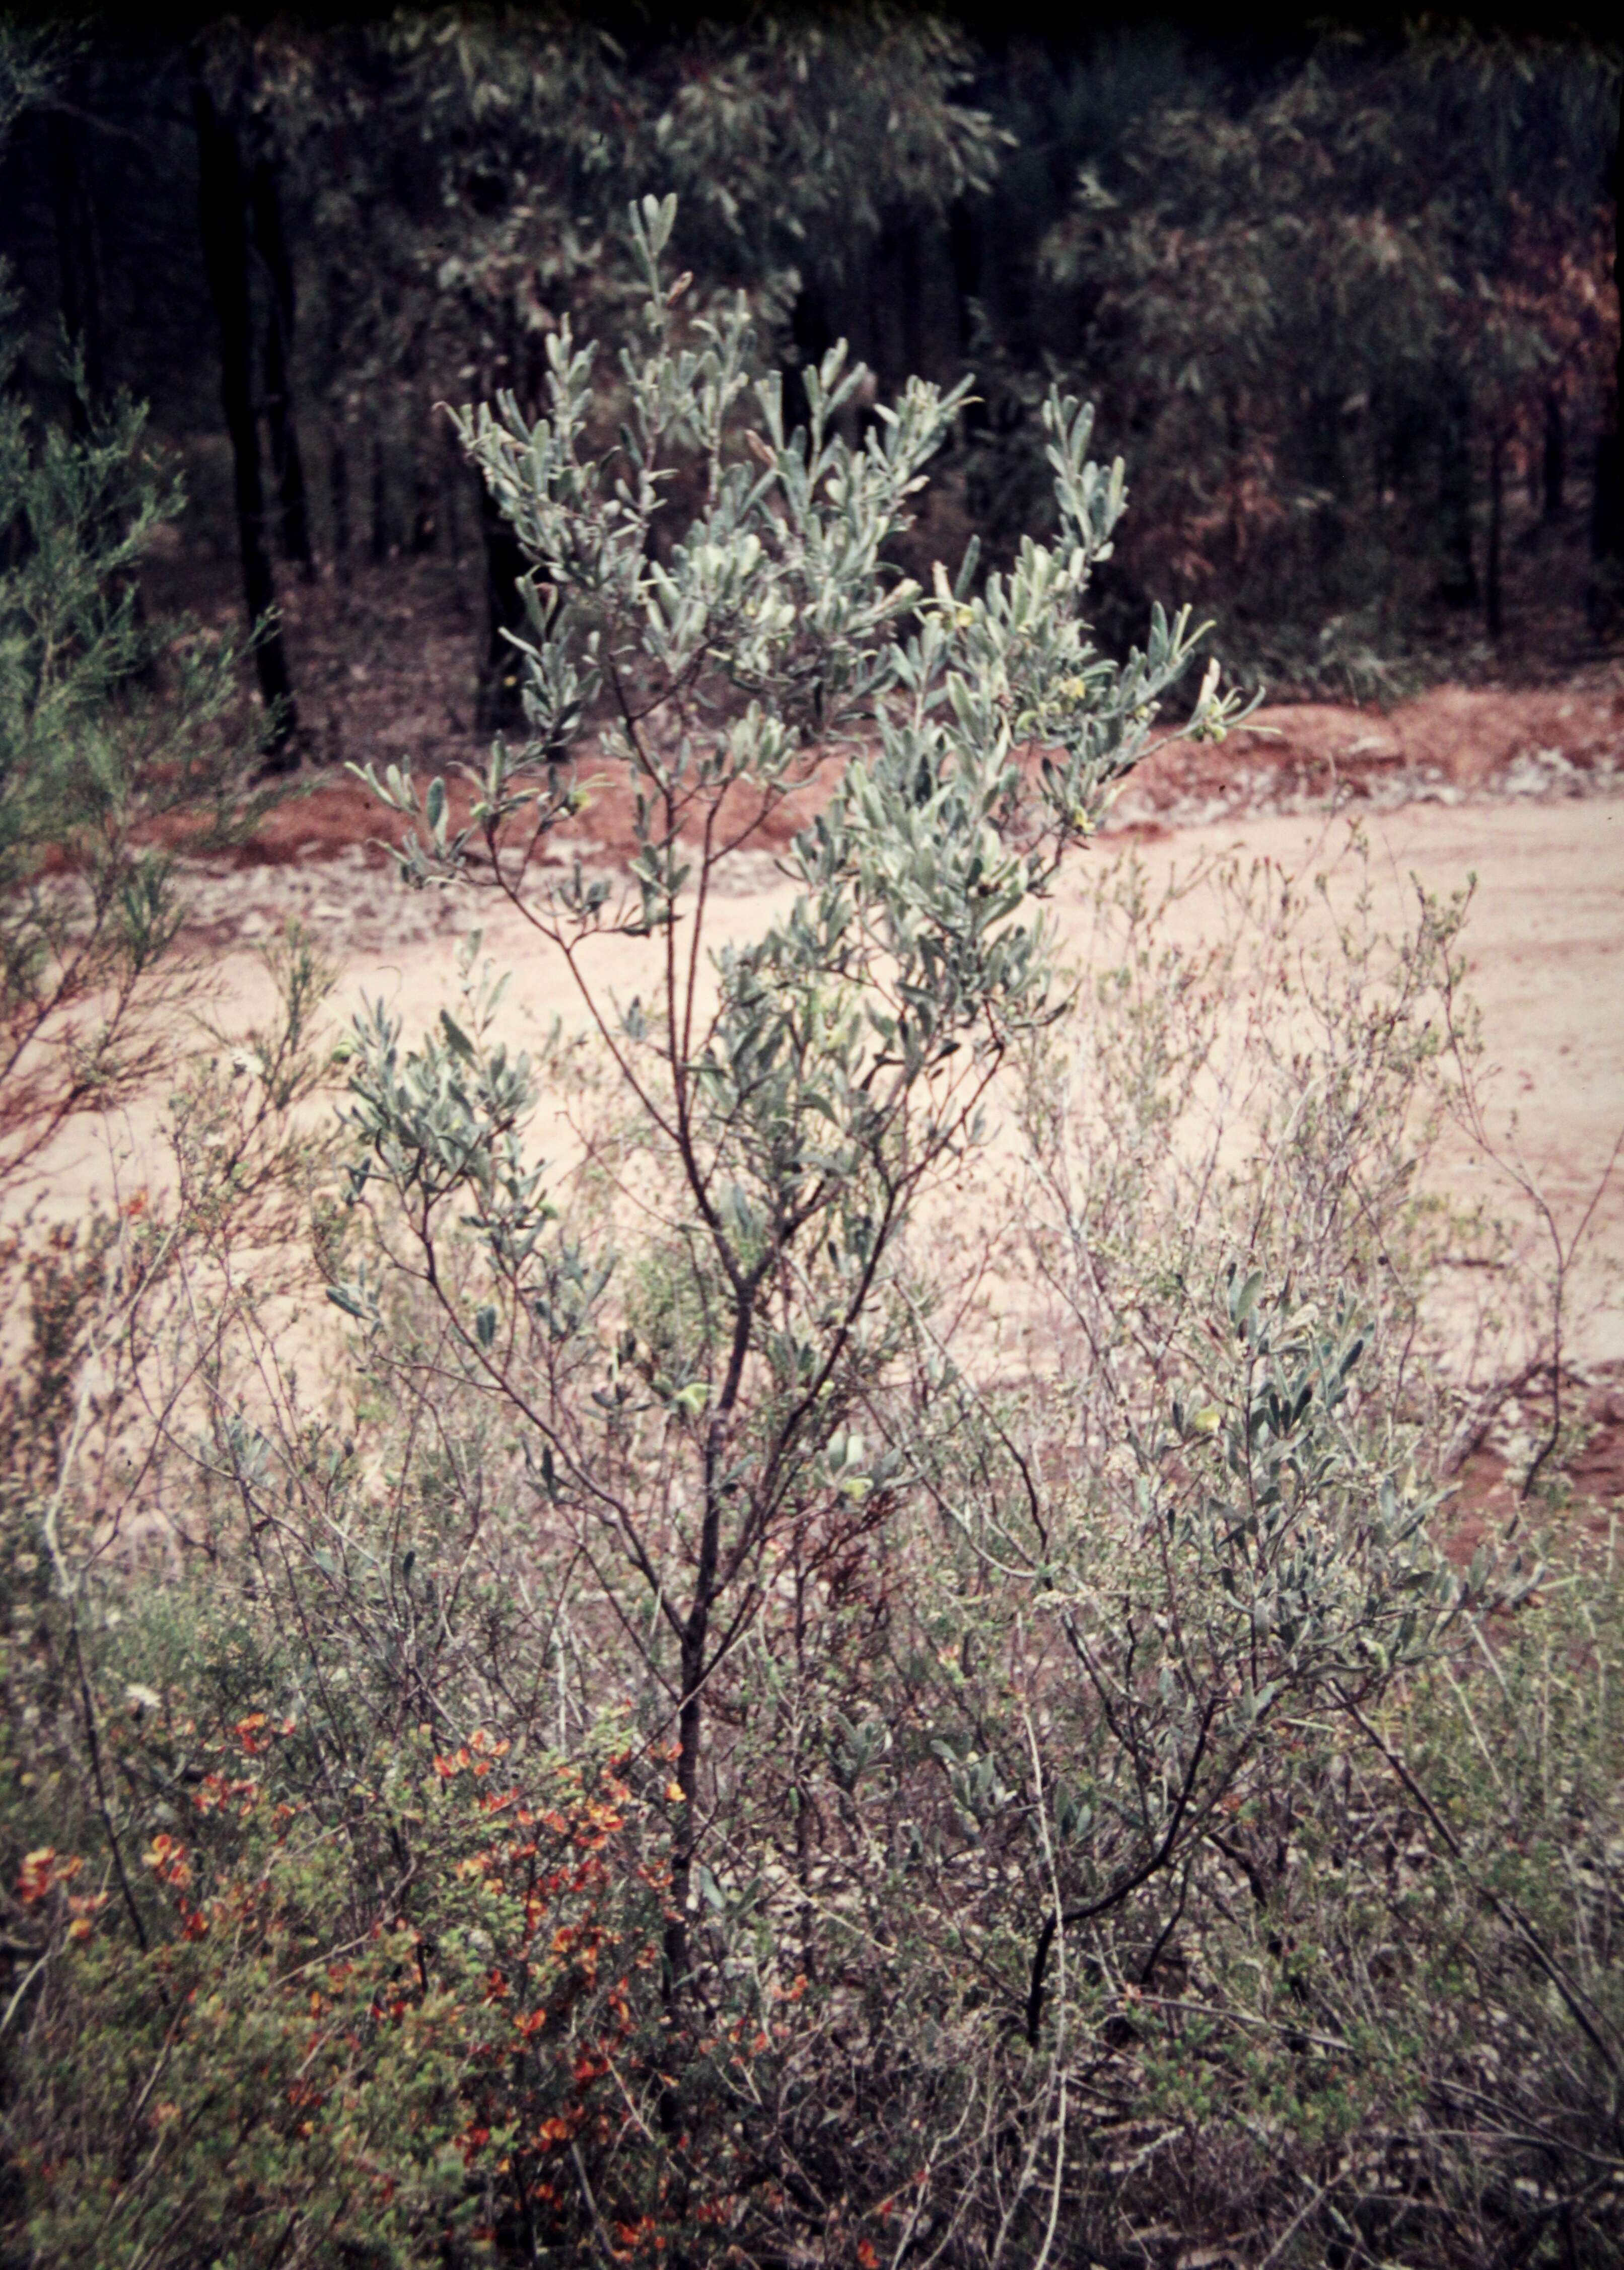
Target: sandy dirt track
(1545, 941)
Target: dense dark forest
(1343, 297)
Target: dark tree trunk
(1460, 574)
(1492, 616)
(226, 257)
(813, 335)
(964, 249)
(939, 356)
(380, 502)
(452, 477)
(334, 347)
(904, 268)
(893, 307)
(1328, 473)
(1555, 464)
(499, 700)
(338, 494)
(1607, 495)
(78, 269)
(77, 263)
(425, 499)
(453, 482)
(1610, 474)
(265, 204)
(1234, 438)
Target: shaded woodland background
(1344, 297)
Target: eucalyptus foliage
(1341, 310)
(108, 719)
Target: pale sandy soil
(1546, 942)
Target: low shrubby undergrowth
(1133, 1821)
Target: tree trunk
(1460, 574)
(424, 498)
(265, 204)
(499, 700)
(709, 1584)
(691, 1711)
(1492, 619)
(939, 353)
(690, 1722)
(1607, 495)
(1555, 466)
(889, 311)
(453, 478)
(226, 257)
(78, 265)
(1618, 256)
(1235, 439)
(79, 270)
(338, 494)
(1609, 498)
(964, 250)
(813, 336)
(380, 501)
(965, 232)
(1328, 473)
(902, 266)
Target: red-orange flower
(166, 1857)
(41, 1872)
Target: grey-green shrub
(1012, 1820)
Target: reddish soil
(1445, 746)
(384, 667)
(1488, 1487)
